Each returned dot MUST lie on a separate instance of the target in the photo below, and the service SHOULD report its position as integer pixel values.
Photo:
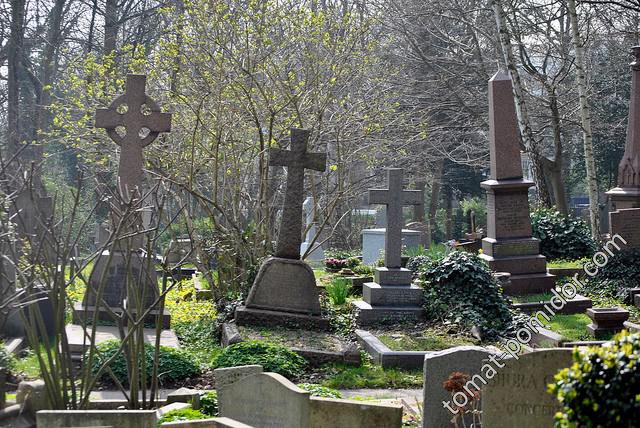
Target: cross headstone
(394, 198)
(132, 121)
(296, 161)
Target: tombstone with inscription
(311, 238)
(627, 194)
(265, 400)
(509, 245)
(392, 297)
(517, 396)
(132, 121)
(626, 223)
(284, 291)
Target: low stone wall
(334, 413)
(97, 418)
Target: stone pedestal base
(520, 257)
(84, 314)
(283, 294)
(285, 285)
(622, 198)
(391, 299)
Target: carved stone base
(285, 285)
(268, 318)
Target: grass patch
(567, 264)
(532, 298)
(571, 327)
(28, 365)
(340, 376)
(293, 338)
(428, 340)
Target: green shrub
(320, 391)
(562, 237)
(362, 270)
(334, 253)
(338, 291)
(478, 206)
(461, 289)
(209, 403)
(601, 388)
(620, 274)
(174, 364)
(7, 360)
(273, 358)
(182, 415)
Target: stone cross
(133, 120)
(296, 160)
(394, 198)
(629, 169)
(504, 137)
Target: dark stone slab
(518, 264)
(530, 284)
(269, 318)
(369, 315)
(285, 285)
(510, 247)
(400, 295)
(84, 314)
(606, 321)
(508, 210)
(393, 276)
(578, 305)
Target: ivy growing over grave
(272, 357)
(461, 289)
(174, 364)
(7, 360)
(614, 279)
(601, 388)
(562, 237)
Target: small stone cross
(296, 160)
(394, 198)
(133, 120)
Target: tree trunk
(555, 166)
(435, 197)
(110, 26)
(14, 67)
(585, 118)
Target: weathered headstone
(627, 194)
(284, 291)
(181, 250)
(626, 223)
(228, 375)
(509, 245)
(312, 240)
(392, 297)
(265, 400)
(373, 242)
(133, 121)
(517, 395)
(438, 366)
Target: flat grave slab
(75, 333)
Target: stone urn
(606, 321)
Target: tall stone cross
(140, 121)
(296, 160)
(394, 198)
